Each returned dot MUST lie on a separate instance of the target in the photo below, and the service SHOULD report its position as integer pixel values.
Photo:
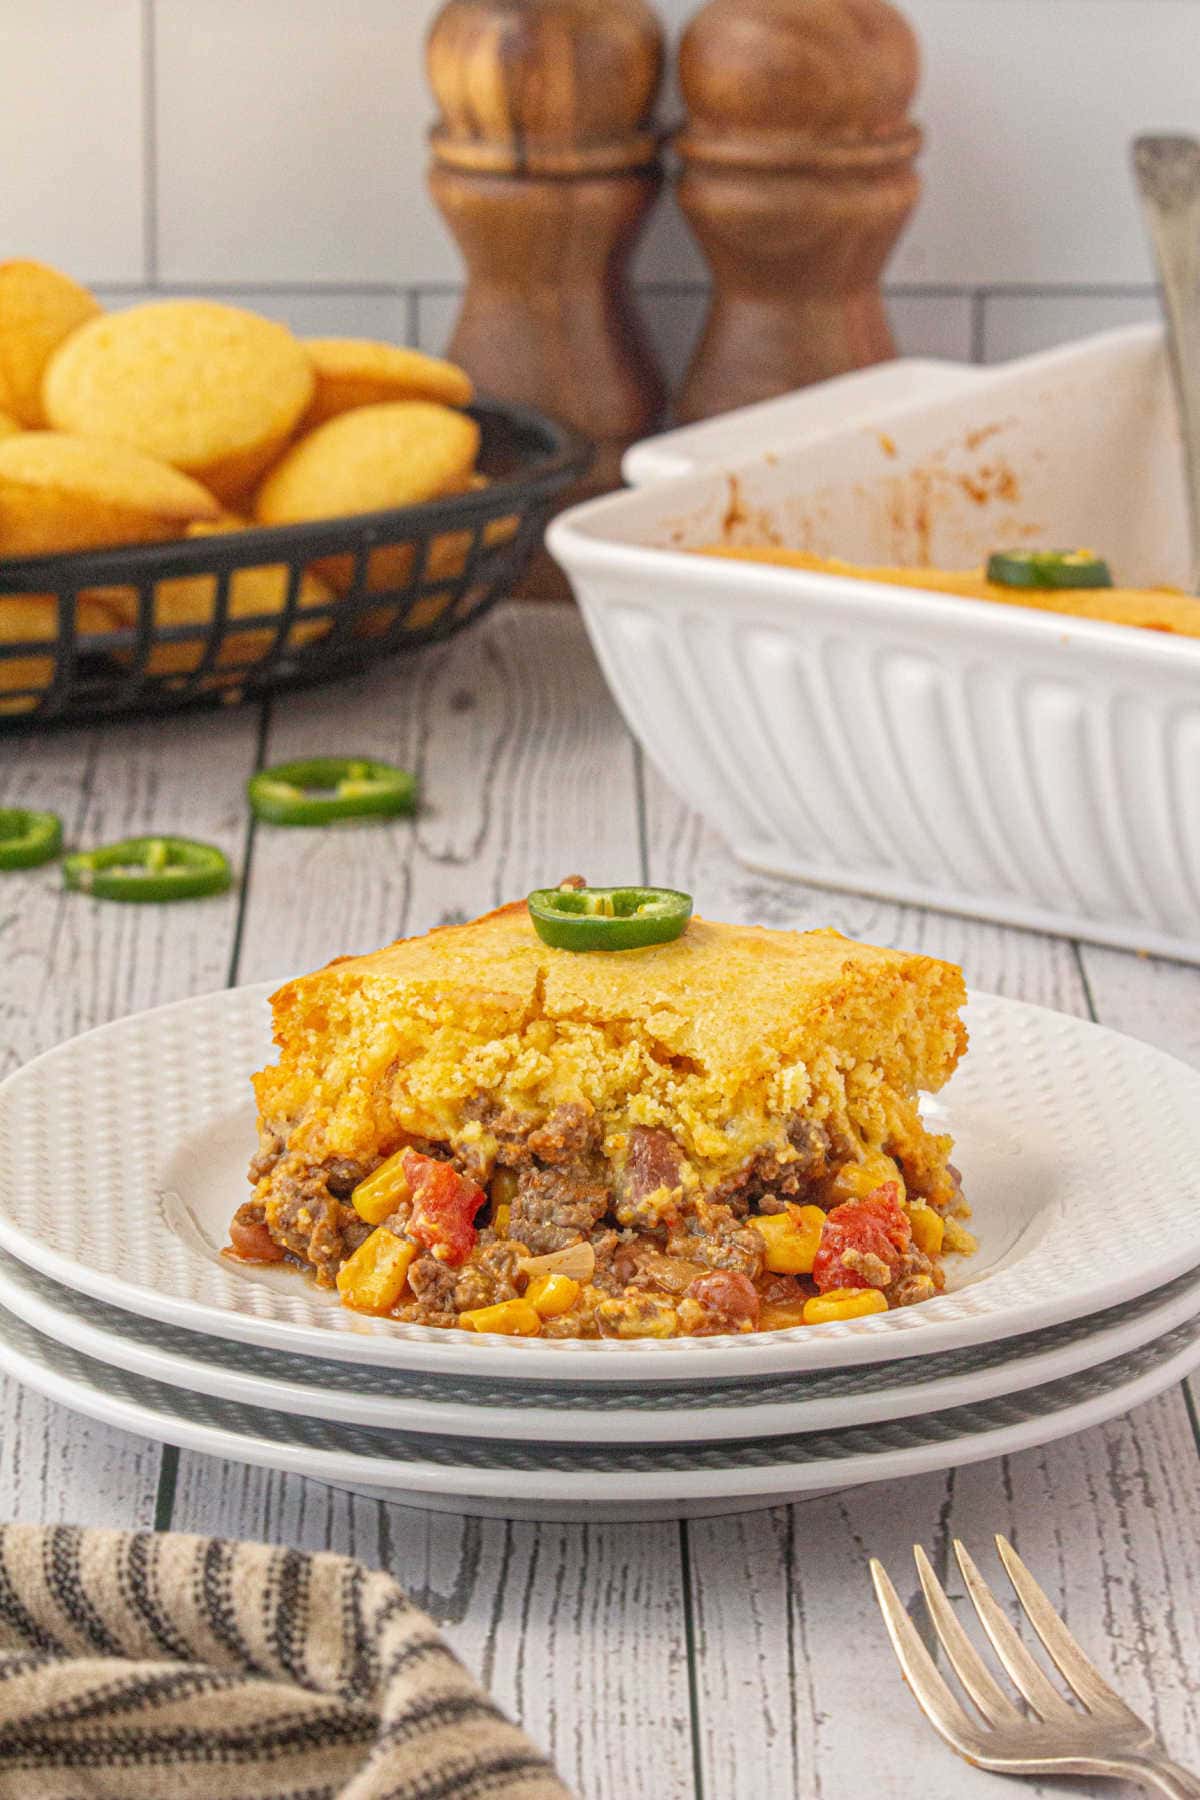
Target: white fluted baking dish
(983, 759)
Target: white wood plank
(793, 1650)
(580, 1630)
(790, 1644)
(576, 1630)
(58, 1468)
(70, 963)
(527, 774)
(1146, 996)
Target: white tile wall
(291, 142)
(274, 151)
(436, 313)
(1030, 106)
(328, 312)
(1016, 324)
(933, 325)
(72, 135)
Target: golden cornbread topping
(709, 1134)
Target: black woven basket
(232, 616)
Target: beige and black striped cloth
(137, 1666)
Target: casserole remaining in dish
(714, 1134)
(1015, 764)
(1153, 609)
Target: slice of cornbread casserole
(717, 1134)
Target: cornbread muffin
(39, 308)
(391, 565)
(396, 454)
(712, 1134)
(8, 425)
(1153, 609)
(61, 492)
(191, 600)
(355, 372)
(33, 619)
(212, 389)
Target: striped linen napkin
(139, 1666)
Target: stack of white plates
(122, 1158)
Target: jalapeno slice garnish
(1048, 569)
(149, 868)
(322, 789)
(624, 918)
(28, 838)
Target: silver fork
(1102, 1738)
(1167, 170)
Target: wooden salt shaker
(797, 180)
(545, 165)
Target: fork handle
(1167, 168)
(1160, 1775)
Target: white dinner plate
(510, 1480)
(122, 1158)
(662, 1412)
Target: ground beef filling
(670, 1258)
(308, 1214)
(441, 1293)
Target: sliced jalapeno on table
(322, 789)
(625, 918)
(28, 838)
(149, 868)
(1048, 569)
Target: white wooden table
(733, 1658)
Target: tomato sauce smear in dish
(863, 1242)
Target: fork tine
(919, 1670)
(1062, 1647)
(965, 1660)
(1029, 1678)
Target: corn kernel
(503, 1187)
(377, 1198)
(927, 1229)
(843, 1303)
(854, 1181)
(372, 1280)
(552, 1295)
(500, 1218)
(511, 1318)
(781, 1315)
(792, 1238)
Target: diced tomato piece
(249, 1239)
(728, 1300)
(876, 1226)
(443, 1207)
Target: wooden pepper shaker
(797, 179)
(545, 166)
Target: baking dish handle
(866, 396)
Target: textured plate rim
(878, 1338)
(617, 1425)
(617, 1485)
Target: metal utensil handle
(1167, 168)
(1159, 1775)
